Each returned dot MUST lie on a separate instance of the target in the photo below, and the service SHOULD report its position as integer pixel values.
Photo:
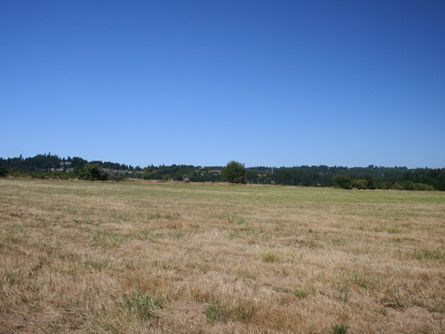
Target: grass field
(136, 257)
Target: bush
(359, 184)
(234, 172)
(91, 172)
(408, 185)
(384, 184)
(396, 186)
(150, 174)
(423, 186)
(341, 181)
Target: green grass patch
(426, 254)
(216, 312)
(269, 257)
(340, 329)
(301, 294)
(142, 305)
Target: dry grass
(79, 257)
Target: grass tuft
(142, 305)
(340, 329)
(269, 257)
(300, 293)
(216, 313)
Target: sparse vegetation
(140, 256)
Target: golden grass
(138, 257)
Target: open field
(135, 257)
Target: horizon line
(216, 165)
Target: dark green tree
(359, 183)
(91, 172)
(342, 181)
(3, 172)
(234, 172)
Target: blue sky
(277, 83)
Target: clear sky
(277, 83)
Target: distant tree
(234, 172)
(342, 181)
(359, 183)
(91, 172)
(3, 172)
(150, 174)
(370, 181)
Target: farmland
(148, 257)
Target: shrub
(423, 186)
(341, 181)
(359, 183)
(384, 184)
(396, 186)
(91, 172)
(408, 185)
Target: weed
(216, 313)
(10, 277)
(300, 293)
(340, 329)
(142, 305)
(269, 257)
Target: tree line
(371, 177)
